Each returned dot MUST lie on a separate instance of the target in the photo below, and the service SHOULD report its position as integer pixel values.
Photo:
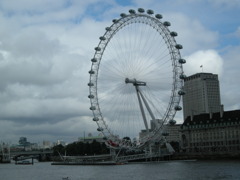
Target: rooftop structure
(90, 139)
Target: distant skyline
(46, 47)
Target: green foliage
(127, 138)
(58, 149)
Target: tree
(80, 149)
(58, 149)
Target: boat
(25, 162)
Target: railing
(139, 156)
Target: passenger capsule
(141, 10)
(132, 11)
(150, 12)
(166, 23)
(90, 84)
(102, 38)
(165, 134)
(92, 108)
(179, 46)
(181, 92)
(158, 16)
(182, 61)
(178, 108)
(123, 15)
(97, 48)
(100, 129)
(94, 60)
(114, 20)
(90, 96)
(95, 119)
(108, 29)
(182, 76)
(91, 72)
(172, 122)
(173, 34)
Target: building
(90, 138)
(23, 141)
(202, 94)
(60, 142)
(47, 145)
(217, 133)
(25, 145)
(173, 133)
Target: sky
(46, 48)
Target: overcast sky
(46, 47)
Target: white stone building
(218, 133)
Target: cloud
(191, 33)
(44, 109)
(230, 80)
(225, 3)
(237, 33)
(46, 47)
(210, 61)
(68, 130)
(43, 74)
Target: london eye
(136, 79)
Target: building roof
(198, 75)
(228, 116)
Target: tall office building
(202, 95)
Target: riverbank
(88, 163)
(210, 156)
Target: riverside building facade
(216, 133)
(208, 129)
(173, 131)
(202, 95)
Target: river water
(168, 170)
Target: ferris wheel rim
(178, 75)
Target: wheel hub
(135, 82)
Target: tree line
(81, 149)
(94, 148)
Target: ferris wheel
(136, 79)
